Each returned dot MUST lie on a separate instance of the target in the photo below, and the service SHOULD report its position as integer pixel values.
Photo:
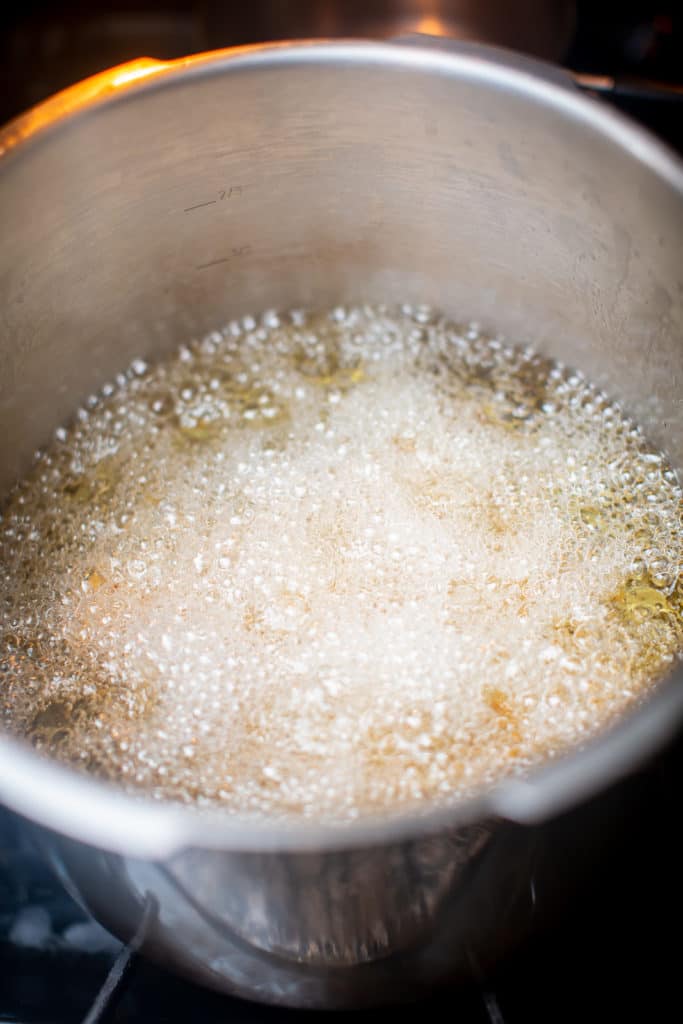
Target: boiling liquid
(322, 565)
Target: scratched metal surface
(269, 180)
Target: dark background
(615, 955)
(46, 46)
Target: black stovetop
(614, 954)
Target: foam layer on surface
(328, 564)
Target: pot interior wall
(303, 178)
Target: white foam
(334, 567)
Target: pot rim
(98, 813)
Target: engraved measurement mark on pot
(232, 192)
(198, 206)
(236, 251)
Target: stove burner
(121, 974)
(112, 990)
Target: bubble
(138, 367)
(328, 563)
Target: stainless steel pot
(153, 202)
